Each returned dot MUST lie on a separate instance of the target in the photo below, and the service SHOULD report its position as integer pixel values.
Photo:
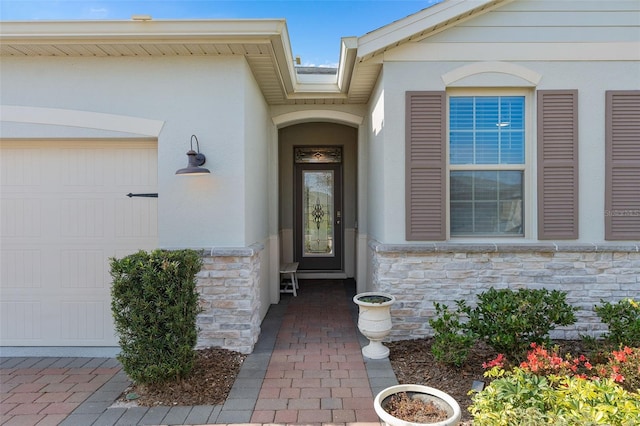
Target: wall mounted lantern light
(196, 159)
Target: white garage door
(64, 212)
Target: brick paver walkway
(307, 368)
(44, 391)
(316, 373)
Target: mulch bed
(216, 369)
(210, 381)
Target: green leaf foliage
(623, 320)
(452, 340)
(154, 303)
(520, 397)
(509, 321)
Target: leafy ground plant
(549, 389)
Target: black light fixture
(196, 159)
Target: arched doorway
(318, 199)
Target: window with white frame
(486, 165)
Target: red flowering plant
(623, 367)
(544, 362)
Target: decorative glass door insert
(318, 213)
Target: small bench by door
(288, 278)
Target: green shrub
(452, 340)
(509, 321)
(623, 320)
(154, 305)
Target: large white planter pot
(441, 399)
(374, 322)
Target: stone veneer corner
(229, 287)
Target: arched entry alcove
(339, 260)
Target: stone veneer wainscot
(229, 287)
(419, 275)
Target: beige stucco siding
(400, 77)
(198, 95)
(549, 21)
(525, 46)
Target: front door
(318, 209)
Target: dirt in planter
(374, 299)
(413, 409)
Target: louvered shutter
(557, 164)
(425, 166)
(622, 190)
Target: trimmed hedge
(154, 303)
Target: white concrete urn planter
(374, 321)
(441, 399)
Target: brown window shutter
(425, 166)
(622, 181)
(557, 164)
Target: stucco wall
(216, 99)
(378, 167)
(590, 77)
(400, 77)
(258, 149)
(196, 95)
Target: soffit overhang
(263, 43)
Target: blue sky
(315, 26)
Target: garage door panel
(21, 217)
(131, 169)
(21, 321)
(20, 168)
(83, 320)
(83, 269)
(82, 217)
(21, 268)
(84, 168)
(59, 228)
(136, 217)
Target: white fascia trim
(348, 54)
(84, 119)
(162, 30)
(404, 29)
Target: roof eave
(422, 24)
(259, 31)
(113, 31)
